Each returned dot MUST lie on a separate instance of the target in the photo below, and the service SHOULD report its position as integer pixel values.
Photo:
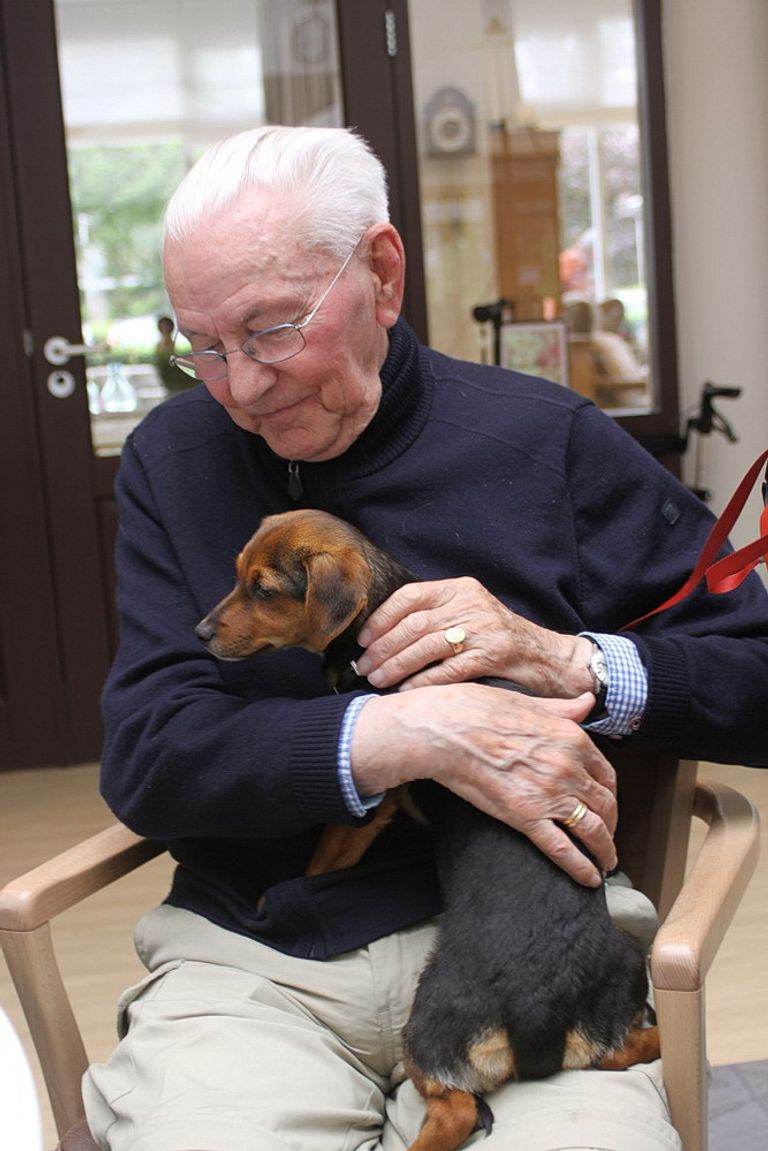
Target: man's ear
(337, 591)
(387, 259)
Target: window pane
(531, 190)
(147, 85)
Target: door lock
(61, 384)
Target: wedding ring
(576, 816)
(455, 636)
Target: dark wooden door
(57, 513)
(54, 619)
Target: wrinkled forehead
(255, 215)
(255, 224)
(240, 264)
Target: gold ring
(455, 636)
(576, 816)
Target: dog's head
(302, 579)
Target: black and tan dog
(529, 975)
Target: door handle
(58, 350)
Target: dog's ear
(337, 591)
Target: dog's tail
(452, 1116)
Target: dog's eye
(258, 591)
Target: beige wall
(716, 74)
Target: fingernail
(364, 638)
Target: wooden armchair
(658, 797)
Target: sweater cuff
(314, 758)
(669, 692)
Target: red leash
(727, 573)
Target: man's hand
(522, 760)
(406, 645)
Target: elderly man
(272, 1013)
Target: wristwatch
(597, 666)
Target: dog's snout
(205, 630)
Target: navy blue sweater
(464, 470)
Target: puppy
(529, 975)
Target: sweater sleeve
(195, 747)
(639, 533)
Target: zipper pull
(295, 486)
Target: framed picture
(539, 348)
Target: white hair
(337, 182)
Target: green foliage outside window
(118, 197)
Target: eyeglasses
(270, 346)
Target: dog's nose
(205, 630)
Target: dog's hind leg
(640, 1046)
(452, 1116)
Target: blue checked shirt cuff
(627, 686)
(356, 805)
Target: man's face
(242, 271)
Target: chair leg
(681, 1015)
(35, 973)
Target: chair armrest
(27, 904)
(68, 878)
(687, 941)
(686, 944)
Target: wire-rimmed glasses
(271, 346)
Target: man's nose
(248, 379)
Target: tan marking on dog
(580, 1052)
(493, 1060)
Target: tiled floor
(738, 1107)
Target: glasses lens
(202, 365)
(274, 344)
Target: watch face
(599, 668)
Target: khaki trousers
(228, 1045)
